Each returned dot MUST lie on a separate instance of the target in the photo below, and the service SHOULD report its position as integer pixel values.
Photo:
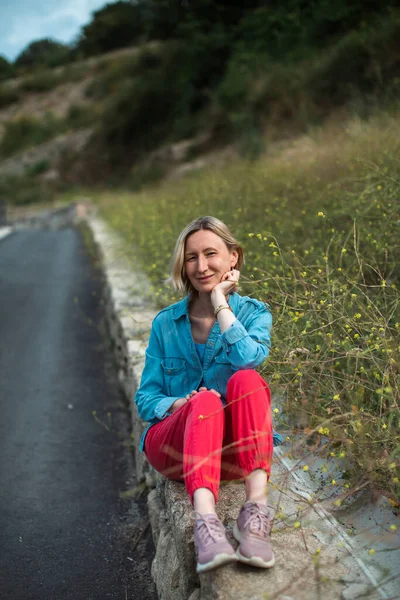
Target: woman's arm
(151, 399)
(246, 347)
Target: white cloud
(59, 20)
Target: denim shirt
(173, 367)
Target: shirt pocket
(223, 371)
(175, 375)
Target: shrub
(80, 115)
(42, 80)
(8, 95)
(25, 132)
(25, 190)
(6, 69)
(41, 166)
(45, 52)
(141, 112)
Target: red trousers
(204, 442)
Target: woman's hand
(181, 401)
(228, 284)
(177, 404)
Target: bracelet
(221, 307)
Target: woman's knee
(207, 403)
(247, 378)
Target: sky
(24, 21)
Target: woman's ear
(234, 259)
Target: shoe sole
(254, 561)
(220, 559)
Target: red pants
(204, 442)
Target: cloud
(25, 22)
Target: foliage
(6, 68)
(25, 190)
(361, 67)
(42, 80)
(8, 95)
(44, 52)
(80, 115)
(141, 112)
(320, 232)
(38, 168)
(115, 25)
(26, 131)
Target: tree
(114, 26)
(6, 69)
(45, 52)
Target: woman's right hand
(181, 401)
(177, 404)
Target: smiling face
(207, 259)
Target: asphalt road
(65, 532)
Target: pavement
(68, 530)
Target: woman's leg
(248, 441)
(187, 446)
(248, 447)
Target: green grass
(319, 223)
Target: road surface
(65, 532)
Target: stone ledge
(301, 572)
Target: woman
(209, 410)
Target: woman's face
(207, 259)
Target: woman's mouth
(205, 278)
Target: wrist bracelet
(221, 307)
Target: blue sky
(24, 21)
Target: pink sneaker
(212, 547)
(252, 531)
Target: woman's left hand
(229, 282)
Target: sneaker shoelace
(257, 522)
(209, 530)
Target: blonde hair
(178, 278)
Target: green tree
(45, 52)
(6, 68)
(114, 26)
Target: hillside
(218, 84)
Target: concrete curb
(5, 231)
(312, 559)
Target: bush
(25, 190)
(8, 95)
(141, 112)
(45, 52)
(25, 132)
(42, 80)
(363, 62)
(80, 115)
(38, 168)
(116, 25)
(6, 69)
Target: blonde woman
(209, 410)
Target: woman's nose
(202, 265)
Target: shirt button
(168, 371)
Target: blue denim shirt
(173, 367)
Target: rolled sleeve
(162, 409)
(233, 334)
(247, 344)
